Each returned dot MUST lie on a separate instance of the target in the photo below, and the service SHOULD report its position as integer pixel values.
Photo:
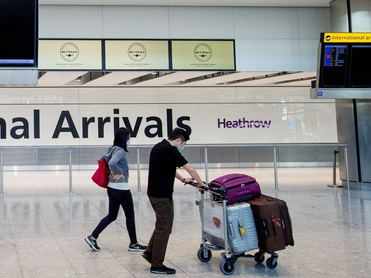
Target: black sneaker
(147, 257)
(136, 247)
(92, 242)
(163, 270)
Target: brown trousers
(164, 211)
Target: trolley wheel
(272, 262)
(204, 255)
(259, 257)
(226, 266)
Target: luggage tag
(242, 230)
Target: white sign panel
(94, 124)
(70, 54)
(137, 55)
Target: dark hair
(122, 136)
(179, 133)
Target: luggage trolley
(212, 200)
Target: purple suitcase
(236, 187)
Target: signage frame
(206, 40)
(75, 39)
(104, 66)
(170, 53)
(346, 34)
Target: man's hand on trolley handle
(195, 178)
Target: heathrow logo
(137, 52)
(203, 52)
(69, 52)
(328, 38)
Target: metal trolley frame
(228, 257)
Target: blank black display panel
(18, 32)
(360, 68)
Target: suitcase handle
(231, 231)
(264, 224)
(205, 188)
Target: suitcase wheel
(272, 262)
(259, 257)
(226, 266)
(204, 255)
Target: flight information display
(18, 33)
(345, 60)
(335, 55)
(334, 66)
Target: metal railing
(205, 149)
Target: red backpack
(101, 175)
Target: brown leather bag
(273, 223)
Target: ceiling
(276, 3)
(180, 78)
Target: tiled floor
(41, 233)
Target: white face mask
(181, 147)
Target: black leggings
(115, 199)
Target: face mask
(181, 147)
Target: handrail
(205, 148)
(188, 145)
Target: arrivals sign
(203, 55)
(347, 37)
(94, 124)
(70, 54)
(137, 55)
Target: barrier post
(70, 171)
(139, 186)
(347, 166)
(206, 164)
(334, 168)
(275, 158)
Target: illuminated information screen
(70, 54)
(137, 55)
(345, 60)
(334, 70)
(203, 55)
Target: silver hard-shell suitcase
(241, 228)
(242, 234)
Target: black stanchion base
(335, 186)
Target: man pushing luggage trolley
(164, 160)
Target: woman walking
(118, 192)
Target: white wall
(361, 15)
(339, 16)
(266, 38)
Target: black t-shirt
(163, 162)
